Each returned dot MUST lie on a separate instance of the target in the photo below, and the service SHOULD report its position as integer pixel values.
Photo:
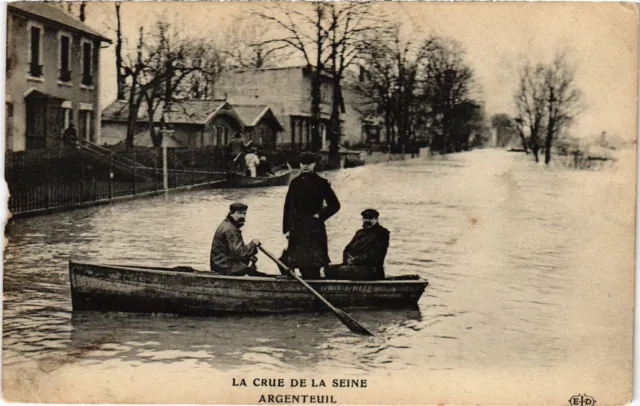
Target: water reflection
(299, 340)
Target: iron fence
(43, 180)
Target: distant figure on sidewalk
(304, 217)
(252, 161)
(229, 254)
(363, 258)
(70, 136)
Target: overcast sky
(601, 38)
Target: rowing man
(229, 254)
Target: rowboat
(130, 288)
(280, 177)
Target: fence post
(47, 179)
(192, 167)
(110, 177)
(82, 175)
(155, 169)
(165, 168)
(175, 167)
(135, 174)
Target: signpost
(165, 131)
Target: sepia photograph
(319, 202)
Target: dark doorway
(36, 123)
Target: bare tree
(244, 47)
(547, 101)
(164, 61)
(389, 82)
(375, 85)
(563, 99)
(351, 26)
(447, 85)
(134, 70)
(176, 59)
(119, 73)
(200, 83)
(302, 27)
(530, 101)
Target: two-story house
(287, 91)
(53, 76)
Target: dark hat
(370, 214)
(238, 207)
(307, 158)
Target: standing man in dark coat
(235, 150)
(229, 254)
(304, 217)
(363, 257)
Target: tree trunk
(156, 140)
(119, 75)
(535, 149)
(316, 142)
(334, 155)
(524, 141)
(134, 105)
(316, 83)
(547, 145)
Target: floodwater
(531, 286)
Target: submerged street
(525, 264)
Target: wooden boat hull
(161, 290)
(240, 181)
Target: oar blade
(351, 323)
(347, 320)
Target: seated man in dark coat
(364, 256)
(229, 254)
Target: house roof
(42, 11)
(144, 140)
(303, 67)
(281, 67)
(197, 112)
(251, 114)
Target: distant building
(196, 123)
(53, 76)
(357, 126)
(288, 92)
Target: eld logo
(582, 400)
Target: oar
(347, 320)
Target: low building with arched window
(196, 123)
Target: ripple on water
(499, 250)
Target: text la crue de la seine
(298, 383)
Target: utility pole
(166, 122)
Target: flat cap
(238, 207)
(370, 214)
(307, 158)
